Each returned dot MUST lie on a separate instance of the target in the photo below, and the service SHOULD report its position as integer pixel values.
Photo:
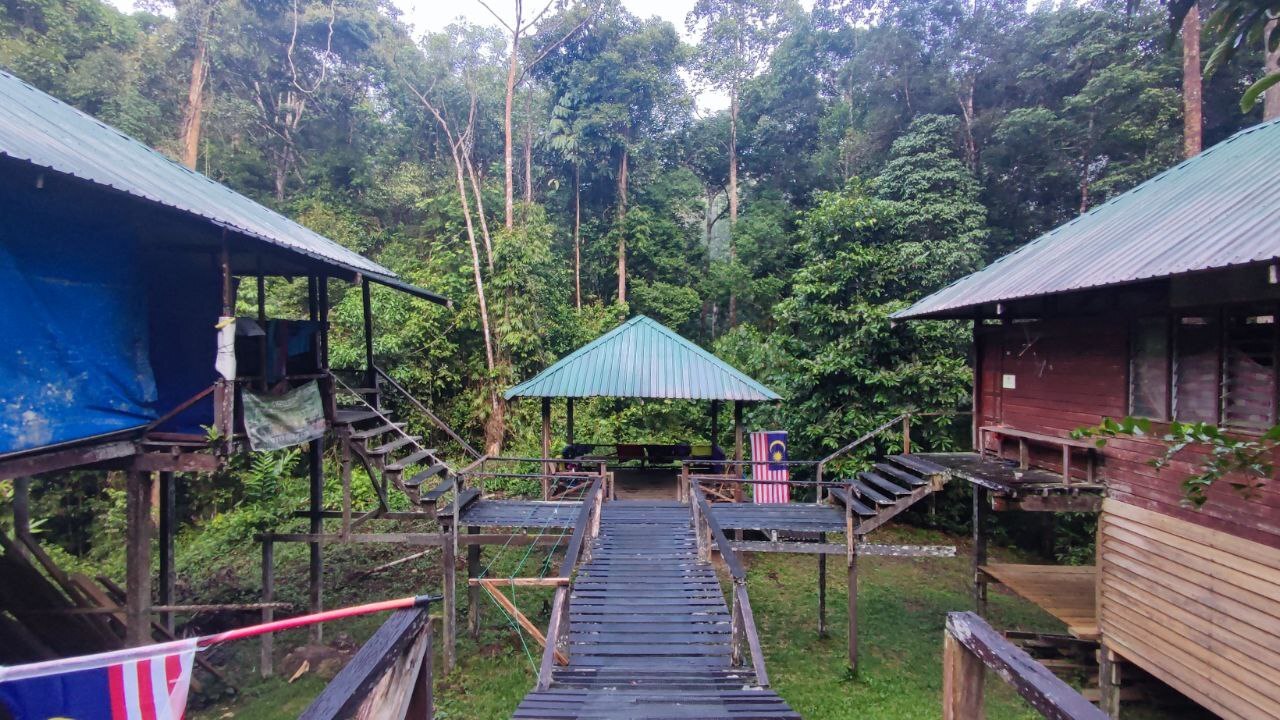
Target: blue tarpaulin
(74, 322)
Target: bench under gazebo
(644, 360)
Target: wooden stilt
(370, 374)
(737, 452)
(266, 660)
(1108, 682)
(450, 609)
(568, 419)
(21, 512)
(851, 558)
(473, 591)
(167, 530)
(344, 460)
(981, 508)
(138, 558)
(316, 560)
(822, 589)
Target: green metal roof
(45, 132)
(641, 358)
(1217, 210)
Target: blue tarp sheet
(74, 323)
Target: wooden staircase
(876, 496)
(391, 456)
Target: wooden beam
(43, 462)
(1108, 682)
(821, 548)
(137, 558)
(419, 539)
(448, 584)
(981, 506)
(473, 593)
(167, 503)
(491, 586)
(315, 559)
(521, 581)
(176, 462)
(1052, 503)
(266, 648)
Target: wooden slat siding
(1074, 372)
(1194, 606)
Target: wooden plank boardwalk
(649, 630)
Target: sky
(432, 15)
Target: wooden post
(370, 374)
(422, 701)
(822, 589)
(167, 508)
(736, 630)
(473, 591)
(715, 423)
(21, 513)
(225, 389)
(546, 447)
(263, 351)
(963, 674)
(906, 434)
(981, 507)
(568, 418)
(137, 558)
(851, 558)
(1108, 682)
(737, 450)
(449, 582)
(267, 648)
(315, 469)
(344, 462)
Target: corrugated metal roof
(641, 358)
(46, 132)
(1216, 210)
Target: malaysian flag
(144, 683)
(769, 462)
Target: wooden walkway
(649, 633)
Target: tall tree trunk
(966, 115)
(1193, 122)
(512, 67)
(191, 114)
(1271, 103)
(1085, 156)
(577, 236)
(528, 150)
(622, 231)
(733, 196)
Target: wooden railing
(971, 647)
(742, 624)
(585, 528)
(426, 412)
(390, 678)
(904, 419)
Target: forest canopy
(551, 172)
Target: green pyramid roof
(641, 358)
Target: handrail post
(906, 433)
(735, 628)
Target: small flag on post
(769, 463)
(145, 683)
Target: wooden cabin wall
(1191, 596)
(1072, 372)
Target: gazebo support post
(546, 447)
(737, 448)
(568, 419)
(715, 423)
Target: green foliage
(1245, 463)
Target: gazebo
(643, 359)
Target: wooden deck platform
(519, 514)
(649, 631)
(790, 517)
(1067, 592)
(1004, 478)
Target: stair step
(432, 496)
(897, 474)
(414, 459)
(393, 445)
(374, 432)
(918, 465)
(881, 483)
(465, 498)
(353, 416)
(872, 494)
(426, 475)
(859, 508)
